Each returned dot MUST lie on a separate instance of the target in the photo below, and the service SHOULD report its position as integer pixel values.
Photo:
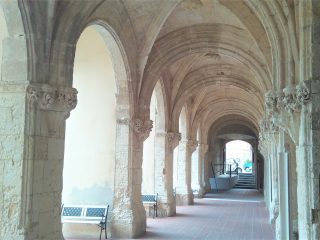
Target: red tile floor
(236, 214)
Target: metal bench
(90, 214)
(152, 201)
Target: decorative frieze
(53, 99)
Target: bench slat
(152, 200)
(86, 214)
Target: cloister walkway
(236, 214)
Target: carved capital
(192, 145)
(303, 94)
(268, 126)
(142, 128)
(161, 134)
(49, 98)
(270, 102)
(173, 139)
(123, 121)
(290, 99)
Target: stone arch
(183, 124)
(90, 131)
(162, 118)
(123, 189)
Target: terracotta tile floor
(236, 214)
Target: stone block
(52, 180)
(12, 175)
(316, 137)
(41, 201)
(51, 123)
(55, 148)
(38, 170)
(44, 230)
(40, 148)
(10, 146)
(315, 121)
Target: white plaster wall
(195, 169)
(90, 131)
(148, 166)
(175, 166)
(3, 34)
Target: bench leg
(105, 231)
(100, 232)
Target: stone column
(172, 141)
(164, 145)
(184, 194)
(308, 167)
(129, 216)
(282, 222)
(315, 156)
(203, 149)
(274, 211)
(46, 111)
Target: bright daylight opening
(239, 157)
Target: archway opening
(179, 152)
(195, 168)
(153, 165)
(148, 164)
(89, 157)
(238, 157)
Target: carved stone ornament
(50, 98)
(173, 139)
(142, 128)
(280, 100)
(268, 126)
(270, 101)
(290, 99)
(192, 145)
(303, 93)
(123, 121)
(161, 134)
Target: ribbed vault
(217, 60)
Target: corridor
(235, 214)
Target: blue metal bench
(91, 214)
(152, 201)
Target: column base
(166, 209)
(201, 192)
(274, 212)
(128, 223)
(184, 199)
